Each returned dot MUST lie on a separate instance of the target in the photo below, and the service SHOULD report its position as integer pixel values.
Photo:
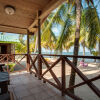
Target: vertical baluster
(7, 64)
(63, 72)
(28, 52)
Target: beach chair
(83, 64)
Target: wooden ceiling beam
(12, 26)
(46, 11)
(12, 29)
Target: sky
(56, 30)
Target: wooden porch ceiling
(25, 16)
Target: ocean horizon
(68, 53)
(71, 53)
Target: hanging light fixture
(10, 10)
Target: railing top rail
(13, 54)
(55, 55)
(19, 54)
(80, 56)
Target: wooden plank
(11, 29)
(82, 83)
(39, 46)
(33, 63)
(39, 67)
(68, 93)
(72, 95)
(13, 58)
(16, 20)
(63, 76)
(12, 95)
(21, 59)
(39, 33)
(56, 62)
(17, 62)
(83, 77)
(25, 13)
(28, 62)
(53, 84)
(26, 5)
(33, 72)
(71, 56)
(28, 51)
(52, 73)
(3, 57)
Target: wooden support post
(63, 76)
(39, 47)
(28, 51)
(8, 63)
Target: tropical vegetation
(77, 25)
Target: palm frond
(93, 26)
(65, 33)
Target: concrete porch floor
(27, 87)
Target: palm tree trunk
(99, 48)
(83, 49)
(99, 51)
(76, 42)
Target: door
(4, 49)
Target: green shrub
(11, 66)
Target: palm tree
(48, 37)
(21, 39)
(65, 39)
(77, 35)
(20, 48)
(76, 41)
(59, 19)
(62, 19)
(92, 27)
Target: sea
(71, 53)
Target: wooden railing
(61, 85)
(15, 59)
(34, 64)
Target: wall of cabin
(6, 48)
